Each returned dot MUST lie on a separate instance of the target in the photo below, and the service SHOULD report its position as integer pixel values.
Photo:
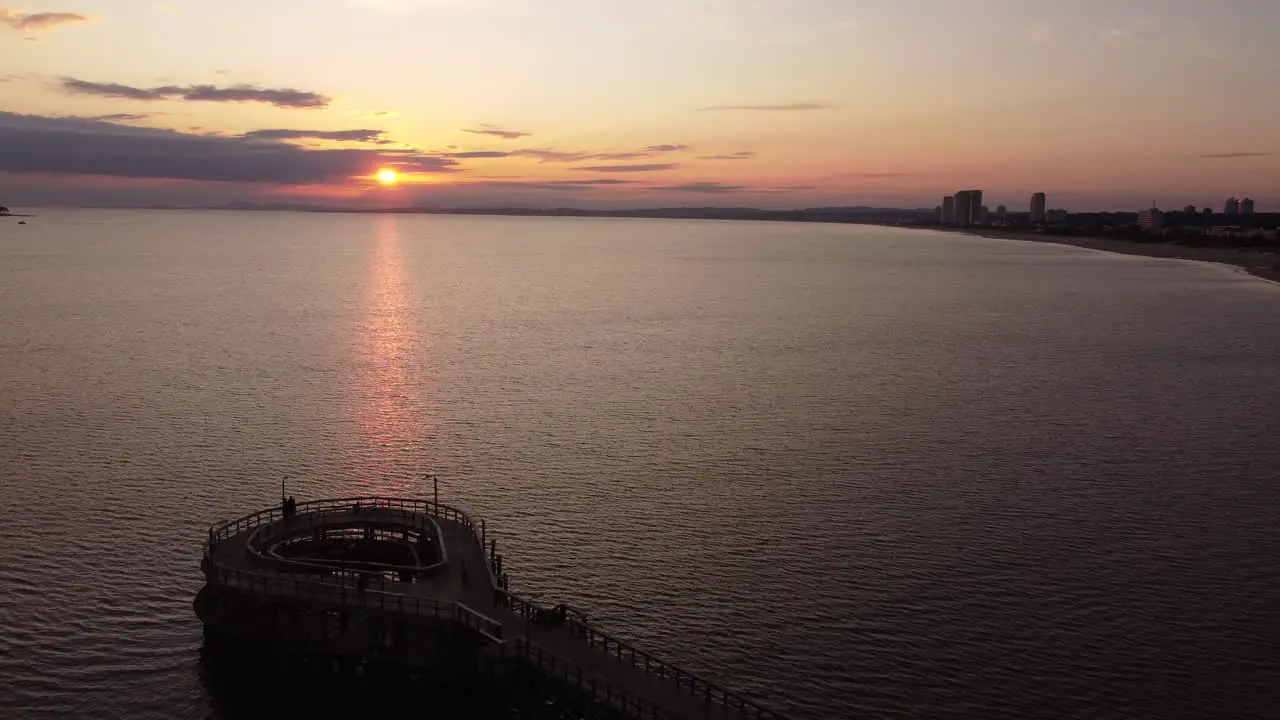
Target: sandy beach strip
(1265, 265)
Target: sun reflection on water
(391, 407)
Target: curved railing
(348, 586)
(230, 528)
(300, 524)
(341, 593)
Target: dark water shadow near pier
(248, 683)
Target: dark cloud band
(280, 97)
(40, 21)
(366, 136)
(80, 146)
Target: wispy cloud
(571, 156)
(742, 155)
(121, 117)
(497, 132)
(79, 146)
(700, 187)
(596, 181)
(1231, 155)
(40, 21)
(364, 136)
(580, 185)
(473, 154)
(874, 175)
(634, 155)
(771, 108)
(653, 167)
(549, 155)
(280, 97)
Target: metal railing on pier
(344, 594)
(556, 667)
(699, 687)
(624, 651)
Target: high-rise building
(1232, 207)
(982, 216)
(1189, 209)
(968, 207)
(964, 208)
(1246, 206)
(949, 210)
(1151, 219)
(1037, 208)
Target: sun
(387, 176)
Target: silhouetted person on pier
(466, 582)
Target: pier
(420, 586)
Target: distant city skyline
(764, 103)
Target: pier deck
(464, 586)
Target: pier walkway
(462, 583)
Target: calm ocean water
(854, 472)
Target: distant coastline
(1260, 263)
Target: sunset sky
(773, 103)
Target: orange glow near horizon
(768, 102)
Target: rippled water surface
(855, 472)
